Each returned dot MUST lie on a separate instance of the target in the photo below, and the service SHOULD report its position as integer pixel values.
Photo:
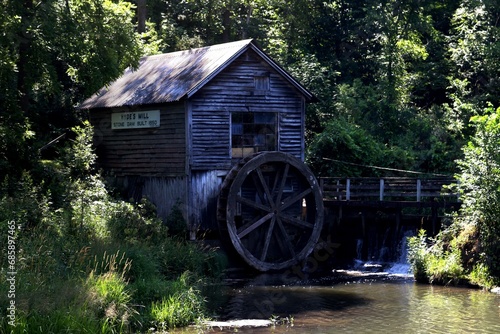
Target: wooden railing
(387, 189)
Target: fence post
(419, 189)
(381, 189)
(348, 190)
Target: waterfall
(381, 260)
(401, 266)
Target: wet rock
(239, 323)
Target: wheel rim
(274, 211)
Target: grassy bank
(77, 260)
(89, 280)
(82, 283)
(467, 249)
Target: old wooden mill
(218, 131)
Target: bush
(89, 263)
(180, 308)
(435, 264)
(130, 224)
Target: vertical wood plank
(419, 190)
(381, 192)
(348, 190)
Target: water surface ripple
(359, 306)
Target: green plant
(436, 263)
(177, 310)
(481, 276)
(176, 223)
(417, 253)
(128, 224)
(112, 298)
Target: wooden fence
(388, 189)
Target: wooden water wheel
(271, 208)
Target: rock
(239, 323)
(496, 290)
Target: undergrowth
(89, 263)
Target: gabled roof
(172, 76)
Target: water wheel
(271, 208)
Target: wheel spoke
(269, 234)
(252, 204)
(264, 185)
(253, 226)
(288, 243)
(283, 183)
(296, 221)
(289, 201)
(256, 181)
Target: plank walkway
(430, 196)
(390, 189)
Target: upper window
(261, 84)
(252, 133)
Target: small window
(252, 133)
(261, 84)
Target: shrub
(438, 263)
(128, 223)
(112, 299)
(181, 308)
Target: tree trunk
(226, 23)
(25, 41)
(141, 15)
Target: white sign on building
(135, 120)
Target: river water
(353, 302)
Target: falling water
(401, 266)
(381, 259)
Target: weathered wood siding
(146, 152)
(166, 193)
(233, 90)
(205, 188)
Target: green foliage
(343, 141)
(480, 185)
(176, 223)
(417, 253)
(90, 263)
(129, 223)
(112, 299)
(180, 308)
(434, 264)
(469, 247)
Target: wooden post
(338, 190)
(434, 214)
(348, 190)
(381, 190)
(419, 189)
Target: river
(353, 302)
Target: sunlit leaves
(480, 183)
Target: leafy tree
(480, 186)
(341, 142)
(475, 55)
(53, 54)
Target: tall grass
(180, 307)
(88, 263)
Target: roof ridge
(208, 47)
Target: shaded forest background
(397, 80)
(409, 85)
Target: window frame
(253, 147)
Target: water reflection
(362, 305)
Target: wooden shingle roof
(173, 76)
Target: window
(252, 133)
(261, 83)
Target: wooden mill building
(171, 129)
